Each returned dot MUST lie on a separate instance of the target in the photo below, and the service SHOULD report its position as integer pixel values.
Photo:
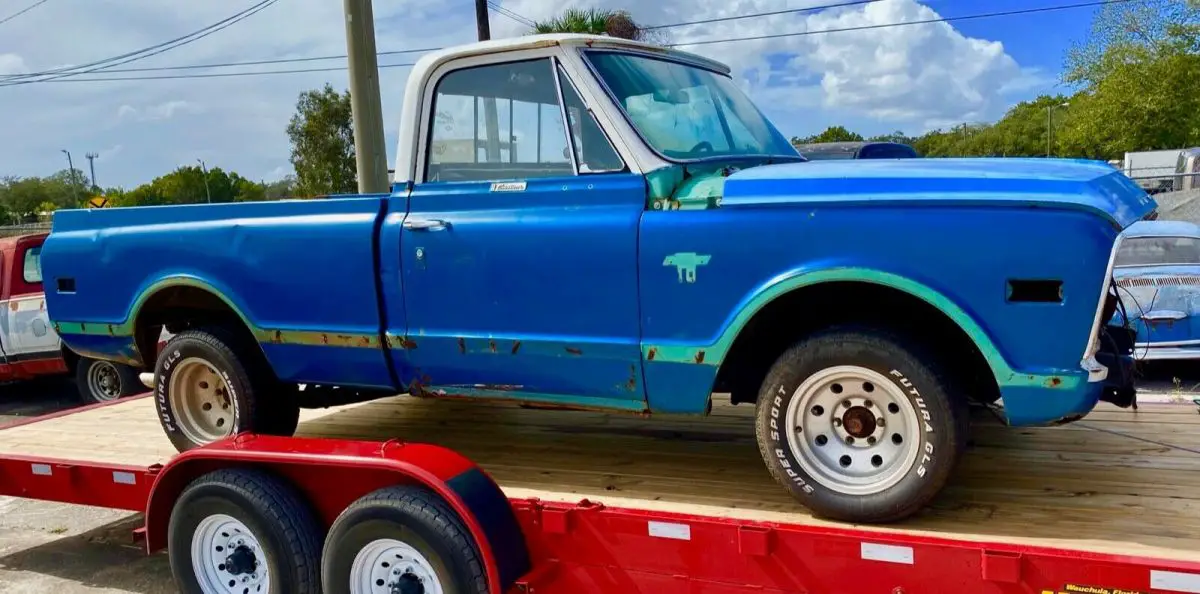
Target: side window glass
(33, 265)
(498, 122)
(593, 151)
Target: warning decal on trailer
(1077, 589)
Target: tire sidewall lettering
(786, 460)
(171, 356)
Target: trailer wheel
(860, 426)
(401, 539)
(243, 531)
(105, 381)
(211, 384)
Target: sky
(910, 78)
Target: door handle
(425, 224)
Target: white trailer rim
(228, 559)
(383, 565)
(853, 430)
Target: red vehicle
(29, 345)
(517, 501)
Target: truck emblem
(685, 264)
(508, 186)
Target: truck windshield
(686, 112)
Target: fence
(11, 230)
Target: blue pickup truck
(585, 222)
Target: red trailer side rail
(579, 545)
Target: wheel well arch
(920, 315)
(180, 303)
(329, 481)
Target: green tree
(830, 134)
(1136, 74)
(599, 21)
(322, 136)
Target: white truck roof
(424, 68)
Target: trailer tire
(211, 383)
(404, 524)
(860, 425)
(226, 522)
(104, 381)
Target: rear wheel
(243, 532)
(105, 381)
(860, 426)
(210, 384)
(401, 539)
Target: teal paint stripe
(715, 352)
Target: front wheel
(104, 381)
(859, 426)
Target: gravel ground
(65, 549)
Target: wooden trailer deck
(1119, 482)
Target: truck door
(520, 245)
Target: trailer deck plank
(1119, 482)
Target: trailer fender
(331, 474)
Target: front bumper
(1167, 351)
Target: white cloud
(881, 79)
(12, 64)
(161, 111)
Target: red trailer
(511, 500)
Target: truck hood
(1054, 183)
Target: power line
(906, 23)
(138, 54)
(700, 42)
(22, 11)
(218, 74)
(259, 62)
(498, 9)
(757, 14)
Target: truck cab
(593, 223)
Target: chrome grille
(1159, 281)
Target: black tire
(416, 517)
(279, 520)
(256, 402)
(939, 411)
(118, 381)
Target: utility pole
(204, 172)
(91, 157)
(1050, 125)
(491, 117)
(370, 152)
(74, 181)
(481, 20)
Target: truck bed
(1119, 482)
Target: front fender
(714, 353)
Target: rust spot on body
(699, 356)
(462, 346)
(278, 338)
(1054, 382)
(650, 355)
(631, 384)
(110, 331)
(324, 339)
(365, 341)
(492, 345)
(408, 343)
(574, 351)
(516, 346)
